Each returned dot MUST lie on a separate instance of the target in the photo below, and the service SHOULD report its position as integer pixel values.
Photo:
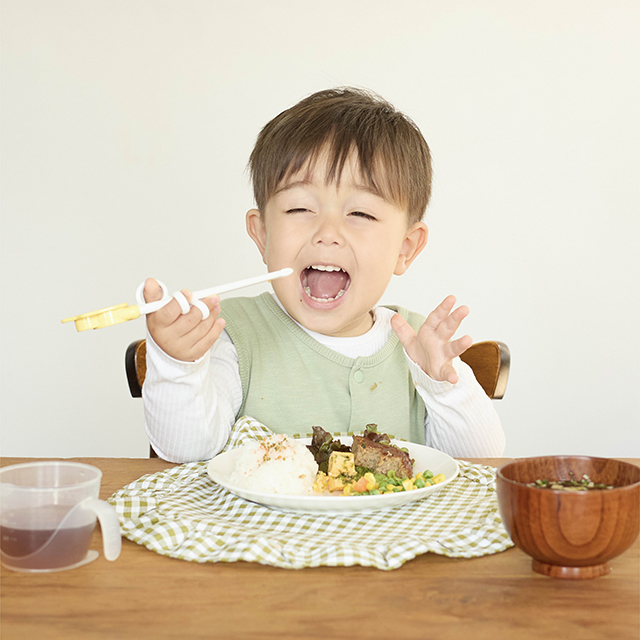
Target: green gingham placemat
(182, 513)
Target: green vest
(291, 382)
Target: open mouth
(325, 282)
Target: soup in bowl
(570, 533)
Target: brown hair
(393, 155)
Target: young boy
(341, 182)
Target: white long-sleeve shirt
(190, 407)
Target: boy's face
(343, 242)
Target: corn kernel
(439, 478)
(371, 481)
(321, 482)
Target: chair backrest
(135, 364)
(488, 360)
(490, 364)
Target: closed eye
(360, 214)
(299, 210)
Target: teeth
(339, 295)
(325, 267)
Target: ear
(257, 231)
(413, 243)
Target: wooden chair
(135, 364)
(489, 361)
(490, 364)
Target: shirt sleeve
(461, 419)
(190, 407)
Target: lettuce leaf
(323, 445)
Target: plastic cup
(48, 513)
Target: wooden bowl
(570, 534)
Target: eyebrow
(301, 183)
(291, 185)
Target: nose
(328, 231)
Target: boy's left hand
(431, 348)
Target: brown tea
(28, 548)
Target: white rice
(277, 464)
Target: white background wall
(126, 127)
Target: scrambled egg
(341, 464)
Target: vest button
(358, 376)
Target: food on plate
(323, 445)
(276, 464)
(343, 475)
(341, 467)
(341, 463)
(372, 450)
(371, 466)
(381, 457)
(584, 484)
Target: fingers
(207, 341)
(445, 322)
(440, 313)
(200, 333)
(403, 330)
(152, 290)
(186, 336)
(449, 374)
(459, 346)
(195, 322)
(432, 348)
(170, 312)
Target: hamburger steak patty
(380, 457)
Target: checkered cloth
(182, 513)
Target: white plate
(223, 465)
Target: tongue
(326, 284)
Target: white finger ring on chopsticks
(203, 308)
(180, 298)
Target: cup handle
(109, 524)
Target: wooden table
(145, 595)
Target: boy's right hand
(183, 337)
